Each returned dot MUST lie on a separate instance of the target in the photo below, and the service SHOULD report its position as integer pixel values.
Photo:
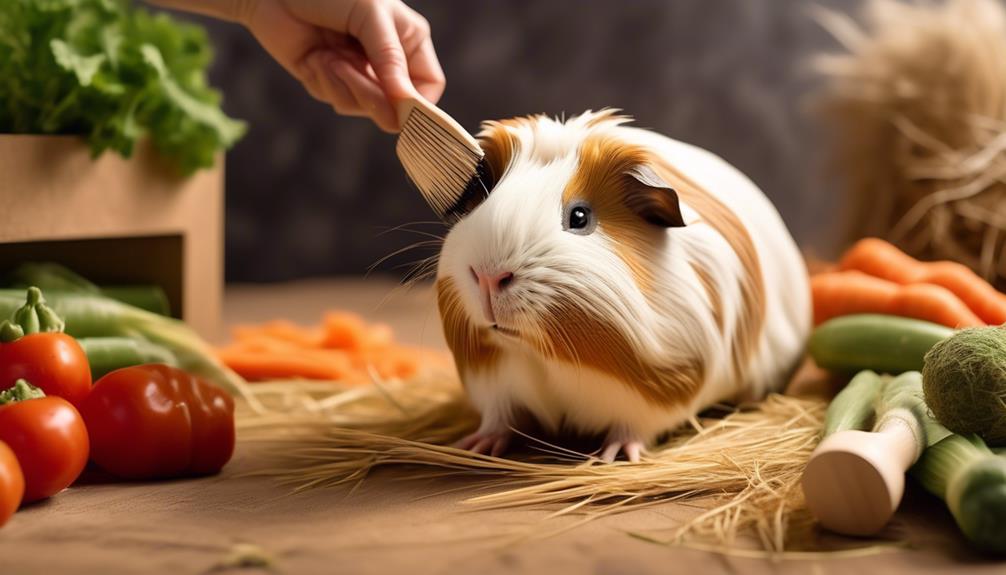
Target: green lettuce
(113, 73)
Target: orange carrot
(254, 365)
(279, 329)
(343, 348)
(882, 259)
(850, 292)
(343, 330)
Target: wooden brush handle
(854, 480)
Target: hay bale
(916, 109)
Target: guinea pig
(615, 282)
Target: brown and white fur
(687, 290)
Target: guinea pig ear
(653, 199)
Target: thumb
(379, 37)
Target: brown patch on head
(499, 144)
(581, 338)
(751, 315)
(471, 346)
(627, 206)
(635, 197)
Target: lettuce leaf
(113, 73)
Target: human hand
(360, 56)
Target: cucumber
(882, 343)
(106, 354)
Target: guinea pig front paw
(615, 443)
(487, 442)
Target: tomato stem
(20, 391)
(37, 317)
(10, 331)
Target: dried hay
(917, 113)
(740, 470)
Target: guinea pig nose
(493, 282)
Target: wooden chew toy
(444, 161)
(854, 480)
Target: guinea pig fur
(615, 281)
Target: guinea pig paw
(492, 443)
(632, 448)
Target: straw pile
(916, 110)
(741, 469)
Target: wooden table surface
(389, 525)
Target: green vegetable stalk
(853, 407)
(113, 73)
(52, 277)
(972, 480)
(89, 316)
(106, 354)
(875, 430)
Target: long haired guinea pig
(615, 281)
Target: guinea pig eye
(579, 219)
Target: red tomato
(49, 438)
(155, 421)
(11, 483)
(54, 362)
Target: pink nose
(494, 282)
(491, 284)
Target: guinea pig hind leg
(622, 440)
(492, 437)
(487, 442)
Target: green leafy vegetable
(113, 73)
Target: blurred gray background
(310, 193)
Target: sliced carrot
(257, 366)
(936, 304)
(280, 329)
(884, 260)
(850, 292)
(343, 330)
(843, 293)
(344, 348)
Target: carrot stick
(882, 259)
(256, 365)
(344, 348)
(843, 293)
(280, 329)
(343, 330)
(850, 292)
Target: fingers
(427, 75)
(329, 88)
(368, 95)
(392, 57)
(373, 24)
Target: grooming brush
(444, 161)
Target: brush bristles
(442, 164)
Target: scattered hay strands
(741, 471)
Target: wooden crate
(115, 220)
